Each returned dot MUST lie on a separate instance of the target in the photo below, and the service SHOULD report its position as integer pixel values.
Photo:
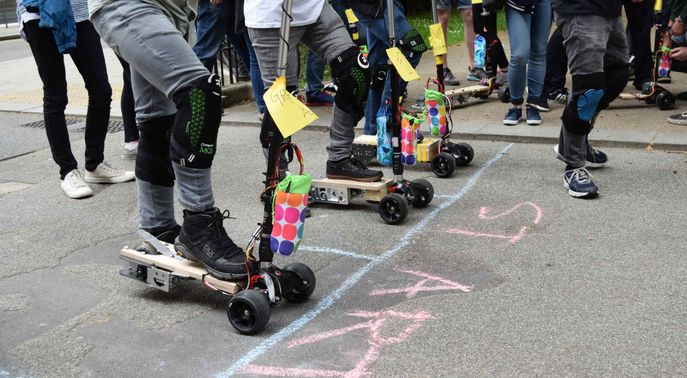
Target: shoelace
(219, 233)
(105, 166)
(684, 115)
(581, 175)
(75, 180)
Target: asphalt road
(503, 274)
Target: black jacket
(603, 8)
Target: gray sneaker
(678, 119)
(104, 173)
(449, 79)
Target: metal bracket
(338, 196)
(161, 279)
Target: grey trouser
(592, 43)
(163, 65)
(328, 38)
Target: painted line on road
(336, 252)
(353, 279)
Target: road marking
(336, 252)
(512, 239)
(353, 279)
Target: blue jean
(528, 51)
(377, 43)
(212, 24)
(255, 76)
(314, 74)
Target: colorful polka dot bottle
(290, 201)
(664, 63)
(409, 127)
(436, 112)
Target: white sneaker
(104, 173)
(129, 150)
(74, 186)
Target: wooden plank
(467, 90)
(181, 267)
(335, 183)
(630, 96)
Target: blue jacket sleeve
(57, 16)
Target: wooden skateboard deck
(374, 191)
(179, 267)
(473, 89)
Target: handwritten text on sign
(436, 39)
(402, 65)
(288, 113)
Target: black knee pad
(152, 159)
(616, 79)
(412, 44)
(580, 112)
(351, 73)
(199, 111)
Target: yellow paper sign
(436, 39)
(288, 113)
(350, 16)
(402, 65)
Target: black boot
(204, 239)
(352, 169)
(166, 234)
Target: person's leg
(128, 105)
(329, 38)
(465, 9)
(377, 45)
(587, 39)
(640, 22)
(209, 32)
(237, 41)
(255, 76)
(518, 25)
(556, 68)
(443, 16)
(314, 73)
(536, 66)
(409, 41)
(90, 61)
(145, 37)
(51, 70)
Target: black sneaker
(539, 103)
(559, 95)
(352, 169)
(204, 239)
(678, 119)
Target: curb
(464, 137)
(236, 93)
(9, 37)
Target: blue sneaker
(579, 183)
(533, 117)
(513, 116)
(474, 74)
(595, 158)
(319, 99)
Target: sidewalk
(626, 124)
